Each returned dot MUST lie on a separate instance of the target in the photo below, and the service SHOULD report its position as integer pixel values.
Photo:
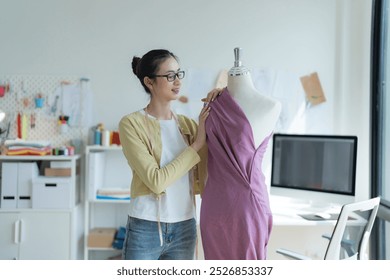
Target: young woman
(166, 153)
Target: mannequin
(235, 216)
(261, 111)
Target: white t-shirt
(177, 204)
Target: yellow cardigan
(148, 176)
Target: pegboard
(20, 100)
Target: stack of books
(18, 147)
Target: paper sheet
(313, 89)
(73, 100)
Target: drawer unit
(41, 217)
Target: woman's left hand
(212, 95)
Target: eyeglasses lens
(172, 77)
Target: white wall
(352, 109)
(97, 39)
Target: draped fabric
(235, 217)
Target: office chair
(351, 233)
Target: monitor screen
(320, 163)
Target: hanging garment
(235, 217)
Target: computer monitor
(321, 164)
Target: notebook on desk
(314, 217)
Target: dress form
(261, 111)
(236, 218)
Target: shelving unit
(38, 231)
(105, 168)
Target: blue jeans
(142, 241)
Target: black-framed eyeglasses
(172, 76)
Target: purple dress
(235, 218)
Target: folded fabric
(111, 193)
(29, 143)
(28, 151)
(113, 197)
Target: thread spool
(97, 137)
(106, 138)
(70, 150)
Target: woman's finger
(214, 93)
(205, 111)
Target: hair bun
(134, 64)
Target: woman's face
(163, 89)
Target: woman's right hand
(201, 135)
(212, 95)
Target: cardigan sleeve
(190, 128)
(144, 164)
(201, 170)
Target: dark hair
(149, 64)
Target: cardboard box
(101, 237)
(58, 172)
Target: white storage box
(52, 193)
(60, 164)
(16, 184)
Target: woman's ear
(148, 82)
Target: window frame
(378, 55)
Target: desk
(293, 232)
(287, 211)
